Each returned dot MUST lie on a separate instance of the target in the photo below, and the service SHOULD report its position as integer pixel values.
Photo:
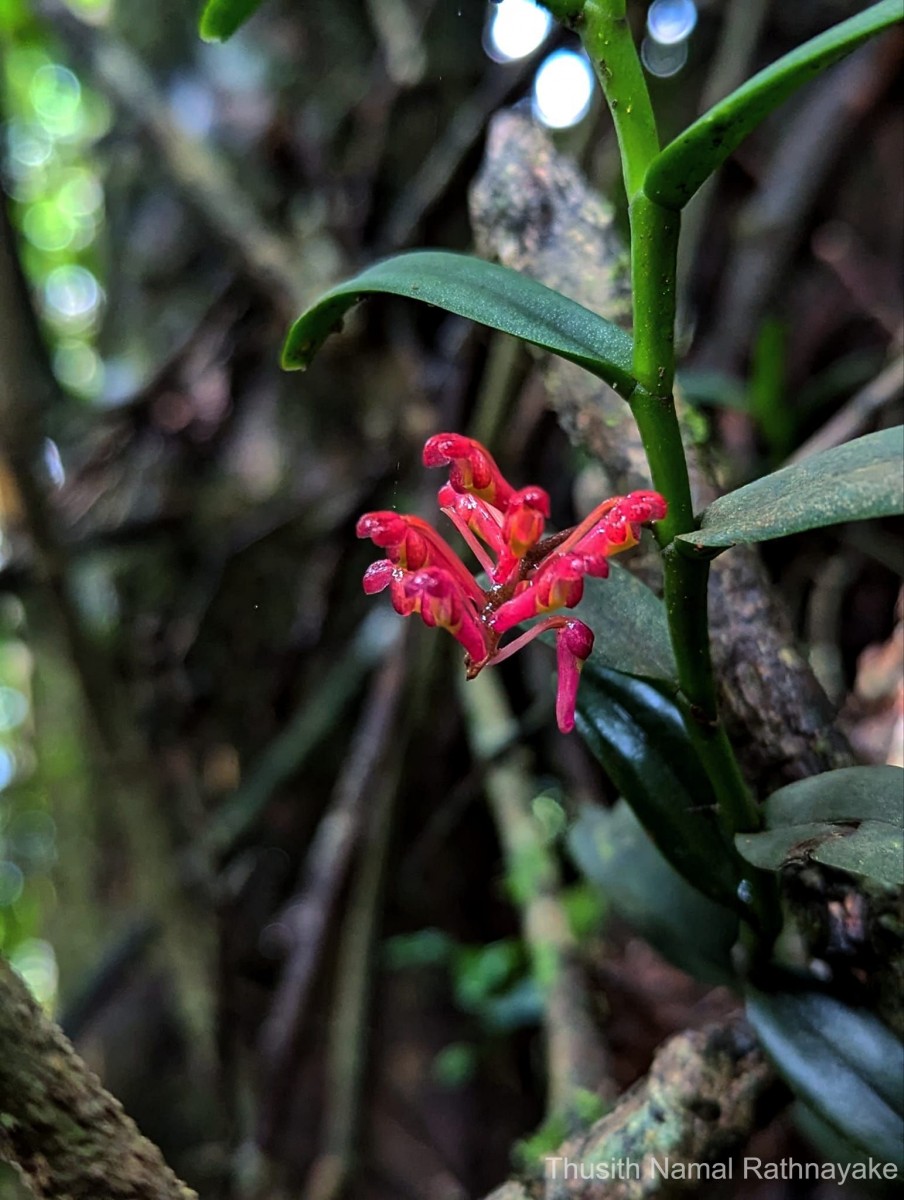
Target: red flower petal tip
(473, 468)
(574, 641)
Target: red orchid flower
(529, 575)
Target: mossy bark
(69, 1138)
(695, 1108)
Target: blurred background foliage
(164, 789)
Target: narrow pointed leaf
(221, 18)
(638, 735)
(842, 1062)
(687, 162)
(482, 292)
(853, 482)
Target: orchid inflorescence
(531, 574)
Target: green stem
(654, 252)
(654, 259)
(607, 39)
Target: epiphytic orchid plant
(528, 575)
(652, 717)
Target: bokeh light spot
(31, 839)
(12, 883)
(72, 294)
(28, 145)
(13, 709)
(35, 961)
(516, 28)
(663, 60)
(671, 21)
(8, 767)
(81, 195)
(78, 366)
(56, 96)
(563, 89)
(48, 227)
(53, 463)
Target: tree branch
(698, 1104)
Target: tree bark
(695, 1108)
(69, 1138)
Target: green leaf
(221, 18)
(631, 633)
(851, 819)
(848, 794)
(853, 482)
(638, 735)
(482, 292)
(842, 1062)
(826, 1139)
(872, 850)
(611, 848)
(687, 162)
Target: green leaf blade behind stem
(221, 18)
(844, 1063)
(638, 735)
(483, 292)
(854, 482)
(850, 793)
(686, 163)
(851, 819)
(631, 633)
(612, 849)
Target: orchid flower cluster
(529, 575)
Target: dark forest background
(246, 854)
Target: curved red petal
(438, 597)
(574, 641)
(473, 468)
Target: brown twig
(853, 417)
(459, 138)
(738, 40)
(305, 920)
(772, 223)
(28, 391)
(349, 1029)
